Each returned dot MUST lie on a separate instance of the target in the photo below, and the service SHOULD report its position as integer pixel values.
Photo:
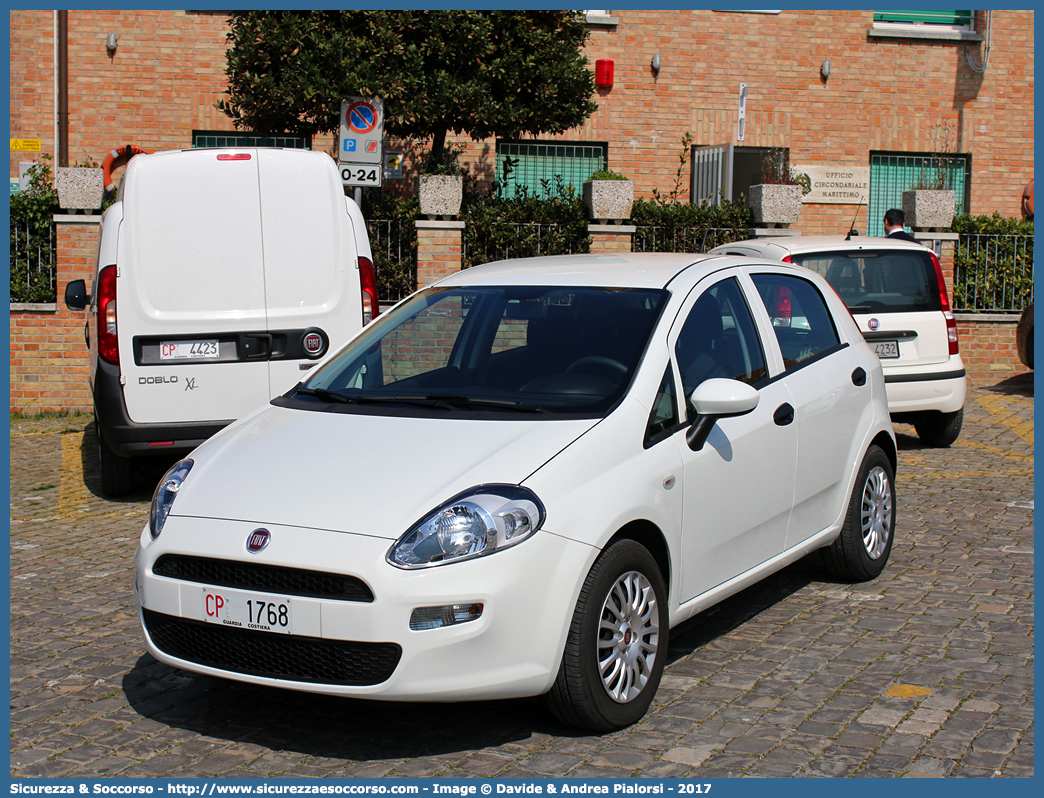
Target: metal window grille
(538, 167)
(930, 17)
(891, 175)
(222, 139)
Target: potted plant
(608, 196)
(776, 200)
(440, 185)
(79, 188)
(931, 202)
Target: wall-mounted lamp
(824, 70)
(657, 62)
(110, 43)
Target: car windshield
(878, 281)
(521, 350)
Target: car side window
(719, 339)
(664, 415)
(800, 318)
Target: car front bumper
(513, 649)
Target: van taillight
(944, 303)
(108, 346)
(368, 277)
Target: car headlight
(165, 494)
(472, 524)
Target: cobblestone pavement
(927, 671)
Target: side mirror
(714, 399)
(76, 295)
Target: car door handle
(784, 415)
(859, 377)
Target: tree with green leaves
(479, 73)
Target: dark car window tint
(719, 339)
(800, 318)
(882, 281)
(664, 413)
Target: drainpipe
(63, 88)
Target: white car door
(739, 488)
(829, 383)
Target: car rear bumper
(513, 649)
(912, 390)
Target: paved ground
(928, 671)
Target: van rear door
(311, 267)
(191, 287)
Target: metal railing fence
(34, 256)
(684, 239)
(992, 273)
(394, 246)
(503, 240)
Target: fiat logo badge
(314, 343)
(873, 324)
(257, 540)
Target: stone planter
(775, 205)
(929, 210)
(608, 200)
(440, 195)
(79, 188)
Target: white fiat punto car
(519, 479)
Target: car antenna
(851, 228)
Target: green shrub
(524, 225)
(393, 240)
(669, 226)
(993, 263)
(34, 244)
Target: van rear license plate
(247, 610)
(886, 349)
(189, 350)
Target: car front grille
(277, 656)
(266, 578)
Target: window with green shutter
(929, 17)
(538, 166)
(893, 173)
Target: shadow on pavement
(360, 730)
(1016, 385)
(148, 470)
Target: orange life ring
(115, 158)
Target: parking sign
(360, 155)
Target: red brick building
(866, 95)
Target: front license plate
(886, 349)
(189, 350)
(247, 610)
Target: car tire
(117, 473)
(609, 674)
(861, 551)
(939, 429)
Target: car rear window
(878, 281)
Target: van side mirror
(718, 398)
(76, 295)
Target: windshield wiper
(325, 394)
(479, 401)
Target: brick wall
(988, 350)
(48, 353)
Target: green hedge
(523, 225)
(393, 240)
(667, 226)
(34, 244)
(993, 263)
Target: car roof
(817, 243)
(623, 270)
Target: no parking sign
(361, 154)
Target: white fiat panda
(896, 293)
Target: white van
(223, 276)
